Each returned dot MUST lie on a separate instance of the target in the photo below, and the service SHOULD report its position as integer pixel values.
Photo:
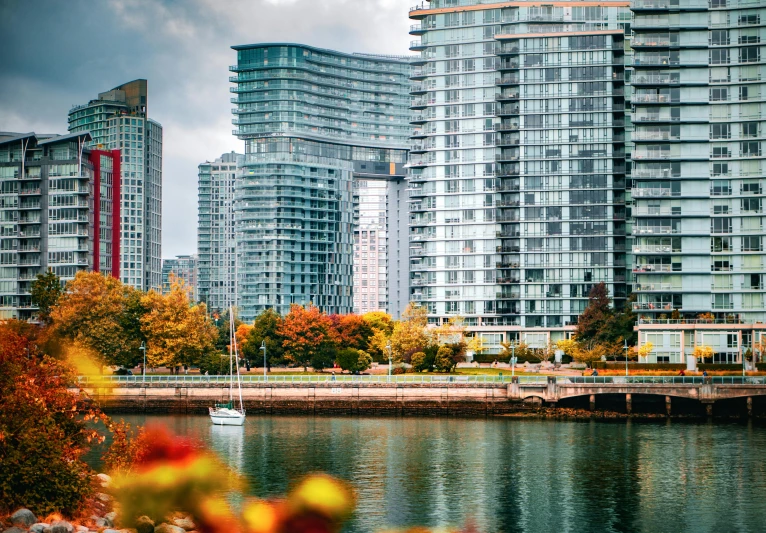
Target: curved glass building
(311, 119)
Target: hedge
(608, 365)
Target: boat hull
(227, 417)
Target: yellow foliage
(703, 352)
(645, 349)
(568, 346)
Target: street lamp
(143, 369)
(388, 348)
(626, 357)
(263, 347)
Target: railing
(435, 379)
(341, 378)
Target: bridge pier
(629, 403)
(750, 406)
(709, 409)
(592, 402)
(667, 405)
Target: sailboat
(224, 413)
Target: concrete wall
(332, 398)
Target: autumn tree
(379, 320)
(410, 333)
(177, 333)
(376, 345)
(594, 320)
(46, 291)
(103, 316)
(221, 322)
(265, 329)
(308, 337)
(353, 331)
(45, 429)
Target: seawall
(315, 398)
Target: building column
(629, 403)
(592, 402)
(667, 405)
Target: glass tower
(700, 121)
(310, 119)
(216, 239)
(517, 165)
(118, 119)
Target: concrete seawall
(330, 398)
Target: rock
(61, 526)
(104, 479)
(81, 528)
(168, 528)
(23, 518)
(184, 523)
(15, 529)
(103, 497)
(111, 518)
(38, 527)
(144, 525)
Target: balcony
(655, 230)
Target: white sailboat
(224, 413)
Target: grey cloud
(55, 54)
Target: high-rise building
(311, 119)
(118, 119)
(517, 166)
(183, 267)
(216, 239)
(700, 121)
(59, 210)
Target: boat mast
(239, 380)
(231, 357)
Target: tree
(379, 320)
(46, 291)
(177, 333)
(590, 355)
(45, 429)
(409, 334)
(221, 322)
(419, 362)
(265, 329)
(568, 346)
(103, 316)
(702, 352)
(444, 361)
(592, 325)
(353, 360)
(645, 350)
(308, 336)
(353, 331)
(376, 345)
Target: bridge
(706, 390)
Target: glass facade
(118, 120)
(216, 238)
(310, 118)
(56, 212)
(183, 267)
(517, 163)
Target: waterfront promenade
(418, 394)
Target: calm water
(510, 475)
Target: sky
(55, 54)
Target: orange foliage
(306, 333)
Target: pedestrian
(704, 373)
(682, 373)
(595, 372)
(333, 375)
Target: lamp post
(143, 369)
(388, 348)
(626, 357)
(263, 347)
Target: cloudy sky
(58, 53)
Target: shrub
(43, 435)
(444, 362)
(398, 370)
(419, 362)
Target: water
(509, 475)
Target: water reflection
(510, 475)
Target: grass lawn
(495, 372)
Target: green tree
(419, 361)
(444, 359)
(353, 360)
(265, 329)
(46, 291)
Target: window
(718, 94)
(719, 56)
(751, 244)
(750, 129)
(750, 149)
(719, 37)
(720, 131)
(720, 225)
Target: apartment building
(59, 207)
(216, 238)
(312, 119)
(185, 268)
(118, 119)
